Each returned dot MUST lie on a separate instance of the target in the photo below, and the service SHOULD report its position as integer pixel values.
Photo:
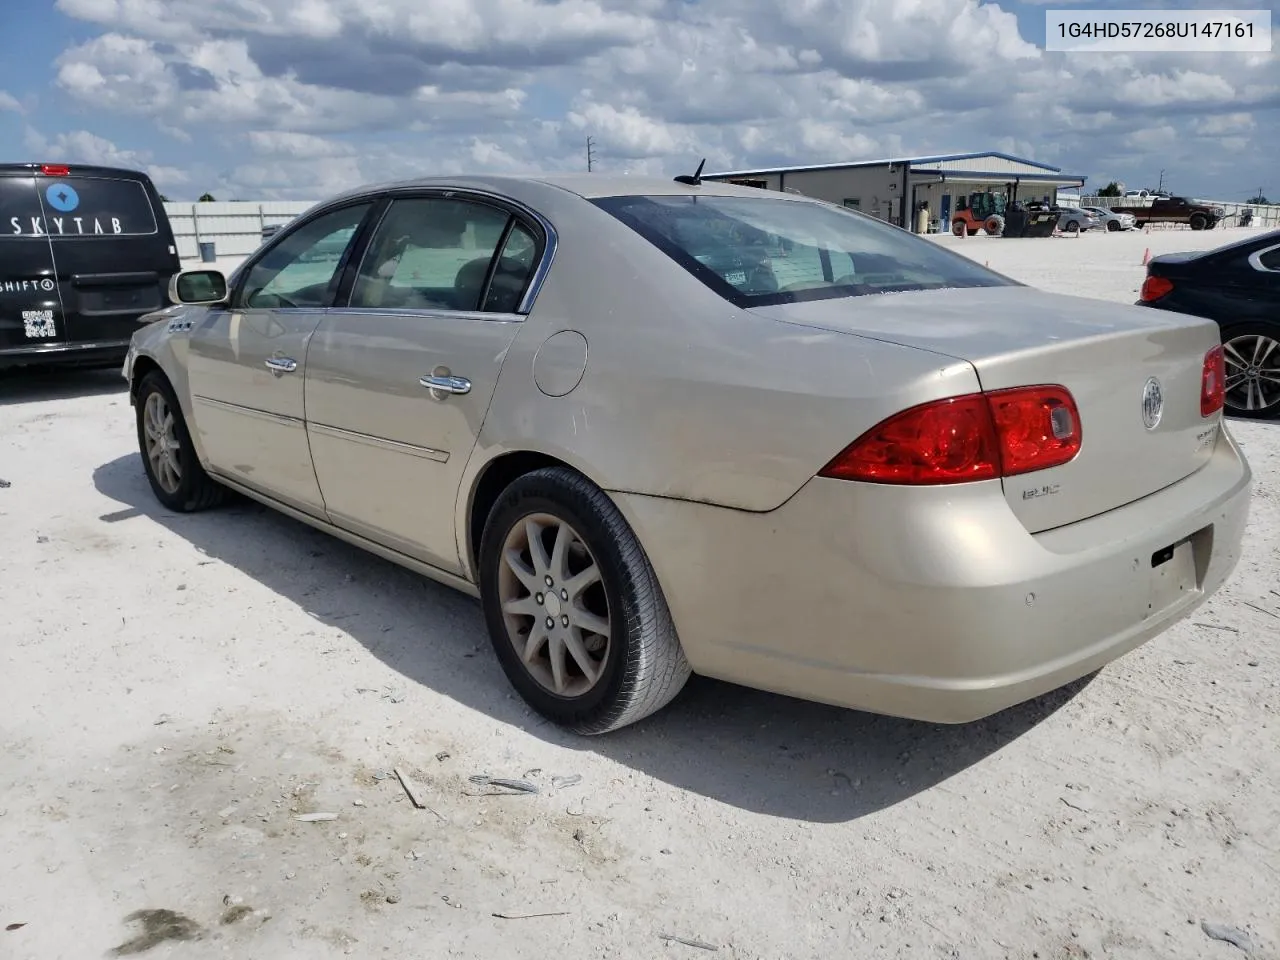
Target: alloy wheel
(554, 605)
(1253, 372)
(161, 441)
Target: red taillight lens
(1153, 288)
(1038, 427)
(978, 436)
(1213, 382)
(55, 170)
(948, 441)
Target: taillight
(979, 436)
(1153, 288)
(55, 170)
(1213, 382)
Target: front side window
(1270, 259)
(438, 253)
(301, 270)
(759, 252)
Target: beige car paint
(708, 423)
(389, 453)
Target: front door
(399, 380)
(31, 314)
(248, 361)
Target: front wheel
(1113, 226)
(959, 228)
(575, 612)
(1199, 222)
(1252, 354)
(168, 455)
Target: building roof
(914, 161)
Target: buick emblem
(1152, 404)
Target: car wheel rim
(1253, 372)
(554, 605)
(161, 441)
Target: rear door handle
(447, 384)
(281, 364)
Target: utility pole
(1160, 186)
(590, 155)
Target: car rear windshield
(75, 208)
(763, 251)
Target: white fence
(1264, 217)
(233, 227)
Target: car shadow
(756, 751)
(37, 384)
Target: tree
(163, 198)
(207, 198)
(1260, 200)
(1112, 189)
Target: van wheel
(168, 455)
(575, 612)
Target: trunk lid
(1104, 353)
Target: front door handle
(447, 384)
(280, 365)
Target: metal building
(882, 188)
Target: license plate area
(1175, 574)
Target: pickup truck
(1196, 214)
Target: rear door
(399, 380)
(30, 308)
(113, 251)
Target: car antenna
(696, 179)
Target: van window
(77, 208)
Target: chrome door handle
(281, 364)
(447, 384)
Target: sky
(299, 99)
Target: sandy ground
(177, 690)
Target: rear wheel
(574, 610)
(168, 455)
(1252, 354)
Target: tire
(194, 489)
(641, 666)
(1072, 226)
(1199, 221)
(1113, 226)
(1241, 343)
(958, 228)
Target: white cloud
(9, 102)
(371, 88)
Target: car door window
(1270, 260)
(302, 269)
(435, 253)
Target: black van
(84, 252)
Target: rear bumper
(934, 603)
(64, 354)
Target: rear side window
(77, 208)
(764, 251)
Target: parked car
(1076, 219)
(1238, 287)
(84, 252)
(870, 472)
(1111, 220)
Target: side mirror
(202, 287)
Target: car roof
(586, 185)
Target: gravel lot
(179, 689)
